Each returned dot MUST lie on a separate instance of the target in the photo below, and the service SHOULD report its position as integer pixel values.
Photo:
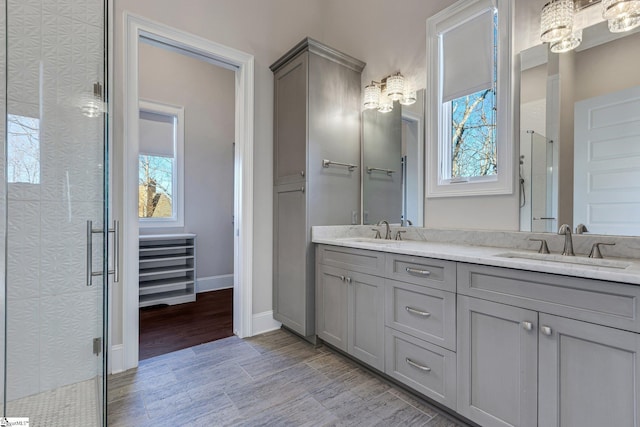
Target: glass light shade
(386, 103)
(371, 96)
(612, 9)
(557, 20)
(568, 43)
(624, 23)
(409, 97)
(395, 87)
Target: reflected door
(55, 183)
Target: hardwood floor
(274, 379)
(164, 329)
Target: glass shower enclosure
(54, 213)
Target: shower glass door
(53, 54)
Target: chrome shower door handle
(89, 268)
(116, 251)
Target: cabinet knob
(545, 330)
(527, 325)
(342, 278)
(301, 173)
(348, 279)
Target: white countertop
(499, 257)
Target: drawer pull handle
(527, 325)
(417, 272)
(545, 330)
(417, 365)
(418, 312)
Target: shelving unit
(167, 269)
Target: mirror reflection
(580, 134)
(393, 166)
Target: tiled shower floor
(73, 405)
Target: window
(23, 149)
(160, 165)
(469, 107)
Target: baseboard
(264, 322)
(116, 359)
(214, 283)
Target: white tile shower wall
(55, 54)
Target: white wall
(207, 93)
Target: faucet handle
(544, 248)
(399, 234)
(377, 236)
(581, 228)
(595, 250)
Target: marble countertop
(610, 269)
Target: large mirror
(580, 129)
(393, 164)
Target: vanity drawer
(426, 368)
(359, 260)
(597, 301)
(425, 313)
(430, 272)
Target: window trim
(503, 182)
(178, 164)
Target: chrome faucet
(387, 234)
(568, 242)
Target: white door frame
(243, 65)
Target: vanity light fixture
(92, 105)
(381, 95)
(372, 95)
(567, 43)
(623, 15)
(385, 102)
(557, 25)
(557, 20)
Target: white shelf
(167, 269)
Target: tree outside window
(155, 182)
(23, 149)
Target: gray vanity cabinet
(316, 118)
(587, 374)
(290, 121)
(350, 304)
(366, 319)
(332, 293)
(290, 297)
(497, 363)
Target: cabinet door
(366, 319)
(497, 363)
(290, 121)
(588, 374)
(331, 305)
(290, 287)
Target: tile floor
(275, 379)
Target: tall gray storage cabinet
(316, 168)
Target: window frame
(439, 135)
(177, 198)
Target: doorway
(185, 199)
(241, 65)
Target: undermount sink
(371, 240)
(591, 262)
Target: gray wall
(207, 93)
